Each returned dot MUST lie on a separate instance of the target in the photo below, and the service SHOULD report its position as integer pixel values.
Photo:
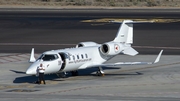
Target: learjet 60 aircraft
(89, 54)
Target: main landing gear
(63, 74)
(100, 72)
(74, 73)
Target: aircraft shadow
(92, 72)
(33, 79)
(125, 74)
(54, 77)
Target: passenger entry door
(63, 61)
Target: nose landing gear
(63, 74)
(100, 72)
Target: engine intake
(110, 48)
(105, 48)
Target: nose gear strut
(100, 72)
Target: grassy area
(92, 3)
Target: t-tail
(122, 42)
(125, 32)
(125, 37)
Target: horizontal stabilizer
(130, 51)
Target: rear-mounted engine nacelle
(110, 48)
(86, 44)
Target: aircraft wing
(131, 63)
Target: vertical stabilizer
(125, 32)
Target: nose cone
(30, 72)
(32, 69)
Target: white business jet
(89, 54)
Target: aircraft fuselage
(70, 59)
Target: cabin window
(73, 57)
(69, 58)
(77, 56)
(82, 56)
(86, 56)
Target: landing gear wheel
(100, 72)
(74, 73)
(63, 75)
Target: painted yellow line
(156, 20)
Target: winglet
(158, 57)
(32, 58)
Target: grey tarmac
(130, 83)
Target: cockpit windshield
(48, 57)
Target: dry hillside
(92, 3)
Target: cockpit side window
(48, 57)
